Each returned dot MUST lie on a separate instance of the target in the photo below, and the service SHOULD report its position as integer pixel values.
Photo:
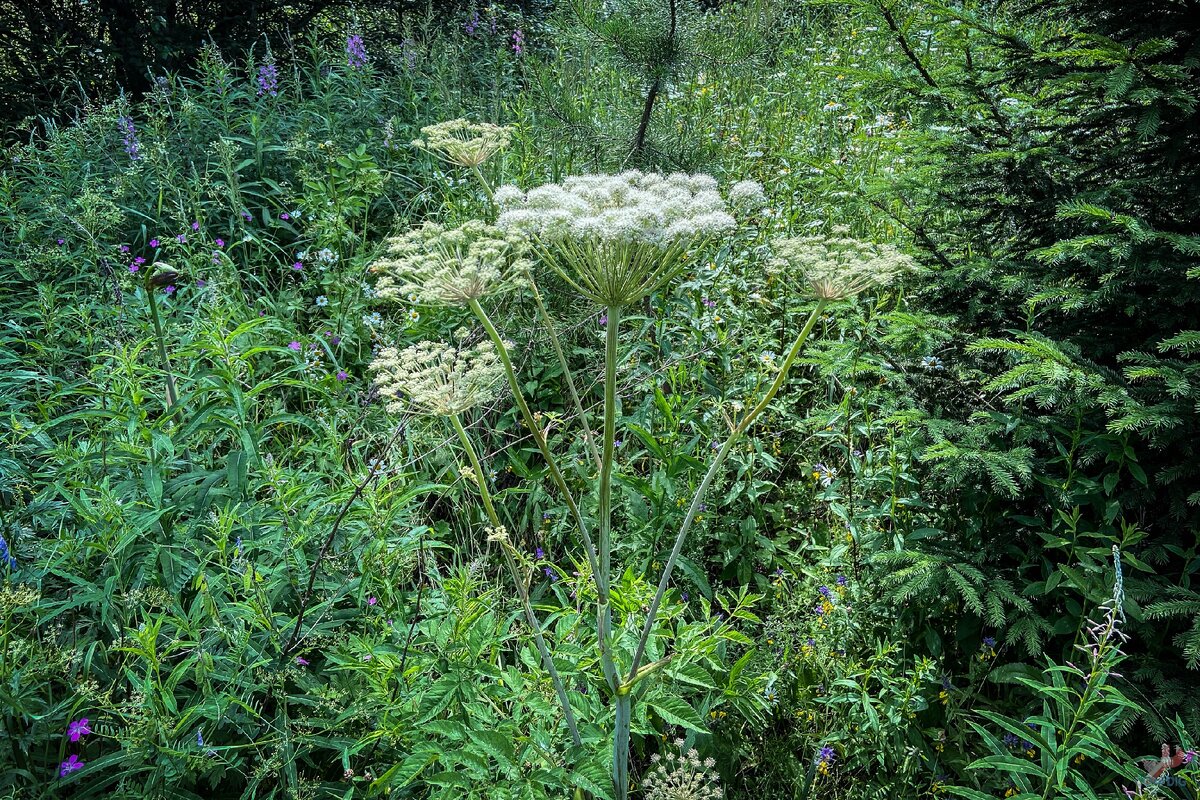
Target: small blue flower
(6, 556)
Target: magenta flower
(78, 729)
(195, 225)
(133, 267)
(298, 266)
(154, 243)
(285, 215)
(372, 600)
(294, 346)
(70, 765)
(220, 242)
(124, 248)
(302, 661)
(139, 261)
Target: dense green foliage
(956, 556)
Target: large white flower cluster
(463, 142)
(837, 267)
(452, 266)
(634, 206)
(439, 379)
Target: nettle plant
(615, 240)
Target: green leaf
(677, 712)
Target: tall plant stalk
(519, 580)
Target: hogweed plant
(465, 144)
(614, 239)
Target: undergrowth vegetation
(630, 399)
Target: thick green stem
(694, 509)
(562, 362)
(624, 709)
(607, 665)
(522, 590)
(613, 314)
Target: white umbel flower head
(462, 142)
(616, 238)
(681, 776)
(437, 378)
(837, 267)
(748, 195)
(439, 266)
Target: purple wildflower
(341, 376)
(169, 290)
(181, 238)
(154, 243)
(356, 52)
(298, 266)
(540, 553)
(302, 661)
(124, 248)
(989, 641)
(408, 51)
(826, 756)
(78, 729)
(335, 341)
(134, 267)
(826, 592)
(841, 580)
(285, 216)
(70, 765)
(603, 317)
(246, 215)
(268, 80)
(372, 600)
(129, 132)
(294, 346)
(201, 283)
(220, 242)
(472, 24)
(518, 40)
(195, 225)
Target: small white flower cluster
(747, 195)
(837, 267)
(440, 266)
(439, 379)
(681, 777)
(634, 206)
(462, 142)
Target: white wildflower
(616, 238)
(441, 266)
(462, 142)
(837, 267)
(438, 378)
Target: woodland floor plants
(615, 240)
(1054, 754)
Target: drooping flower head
(616, 238)
(440, 266)
(437, 378)
(462, 142)
(838, 267)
